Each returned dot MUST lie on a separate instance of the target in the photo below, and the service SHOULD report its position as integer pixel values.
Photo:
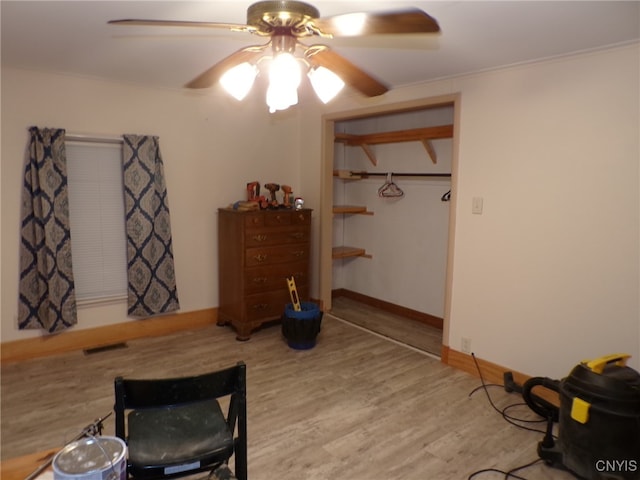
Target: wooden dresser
(257, 251)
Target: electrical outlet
(465, 345)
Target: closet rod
(380, 174)
(77, 137)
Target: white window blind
(96, 210)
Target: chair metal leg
(241, 461)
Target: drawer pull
(279, 218)
(298, 254)
(261, 257)
(297, 235)
(301, 217)
(260, 306)
(260, 280)
(259, 238)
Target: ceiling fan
(285, 22)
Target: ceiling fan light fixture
(325, 83)
(285, 22)
(237, 81)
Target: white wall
(406, 237)
(549, 274)
(211, 146)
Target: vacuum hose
(539, 405)
(543, 408)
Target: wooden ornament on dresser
(257, 252)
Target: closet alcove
(389, 246)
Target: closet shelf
(346, 252)
(424, 135)
(352, 209)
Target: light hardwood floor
(355, 407)
(405, 330)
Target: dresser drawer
(269, 305)
(301, 217)
(261, 279)
(276, 236)
(277, 218)
(272, 255)
(254, 220)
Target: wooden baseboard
(101, 336)
(491, 372)
(421, 317)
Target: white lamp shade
(281, 97)
(237, 81)
(285, 69)
(284, 78)
(325, 83)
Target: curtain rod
(78, 137)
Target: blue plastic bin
(301, 329)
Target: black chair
(175, 426)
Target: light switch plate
(476, 205)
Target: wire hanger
(390, 189)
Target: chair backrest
(136, 394)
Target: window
(96, 211)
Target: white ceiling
(73, 37)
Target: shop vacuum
(598, 436)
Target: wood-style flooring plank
(405, 330)
(355, 407)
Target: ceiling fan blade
(347, 71)
(209, 77)
(412, 20)
(180, 23)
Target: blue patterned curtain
(151, 277)
(46, 292)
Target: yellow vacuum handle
(597, 365)
(293, 292)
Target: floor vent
(105, 348)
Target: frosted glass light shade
(285, 69)
(237, 81)
(284, 78)
(325, 83)
(281, 97)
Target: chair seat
(171, 440)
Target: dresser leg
(243, 332)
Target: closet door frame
(326, 209)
